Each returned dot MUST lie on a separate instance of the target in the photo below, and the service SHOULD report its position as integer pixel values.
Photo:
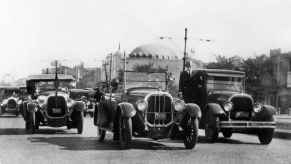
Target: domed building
(160, 56)
(155, 54)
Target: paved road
(65, 146)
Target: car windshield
(218, 83)
(5, 93)
(145, 79)
(43, 86)
(78, 95)
(142, 90)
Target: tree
(259, 76)
(259, 73)
(222, 62)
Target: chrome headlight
(141, 105)
(179, 105)
(41, 100)
(228, 106)
(257, 107)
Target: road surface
(59, 145)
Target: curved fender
(214, 109)
(78, 106)
(127, 109)
(31, 107)
(266, 113)
(193, 110)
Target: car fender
(126, 109)
(215, 109)
(78, 106)
(193, 110)
(266, 113)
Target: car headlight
(179, 105)
(227, 106)
(141, 105)
(257, 107)
(41, 100)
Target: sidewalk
(283, 127)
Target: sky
(35, 32)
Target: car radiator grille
(159, 109)
(11, 103)
(242, 108)
(56, 106)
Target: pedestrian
(98, 95)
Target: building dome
(155, 51)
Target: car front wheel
(101, 134)
(211, 130)
(191, 133)
(80, 120)
(227, 133)
(125, 132)
(30, 123)
(265, 136)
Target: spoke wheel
(191, 133)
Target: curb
(282, 134)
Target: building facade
(282, 74)
(85, 77)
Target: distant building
(282, 73)
(85, 77)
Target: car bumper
(247, 124)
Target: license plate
(241, 114)
(57, 110)
(160, 116)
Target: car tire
(211, 130)
(101, 134)
(79, 122)
(17, 113)
(266, 135)
(191, 132)
(227, 133)
(125, 132)
(30, 123)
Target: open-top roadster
(144, 108)
(49, 103)
(225, 107)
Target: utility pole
(105, 73)
(124, 72)
(185, 50)
(56, 77)
(110, 88)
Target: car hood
(224, 96)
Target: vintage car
(85, 95)
(225, 106)
(10, 100)
(144, 108)
(50, 104)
